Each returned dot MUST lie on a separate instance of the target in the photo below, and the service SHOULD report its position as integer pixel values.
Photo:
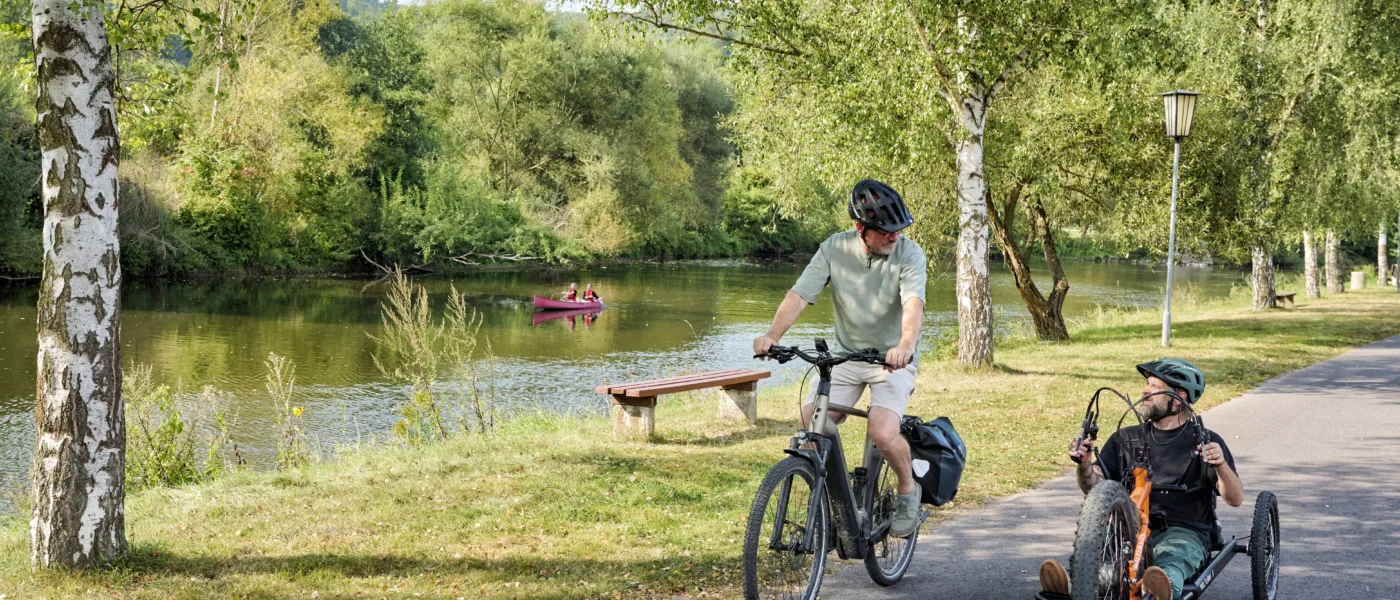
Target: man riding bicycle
(877, 279)
(1183, 497)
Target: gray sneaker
(906, 514)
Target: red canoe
(547, 304)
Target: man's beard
(874, 249)
(1154, 413)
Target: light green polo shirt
(868, 290)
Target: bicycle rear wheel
(888, 558)
(1103, 544)
(779, 563)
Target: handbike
(808, 503)
(1110, 545)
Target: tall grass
(449, 376)
(292, 447)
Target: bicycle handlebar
(783, 354)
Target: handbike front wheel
(1263, 547)
(888, 558)
(786, 543)
(1103, 544)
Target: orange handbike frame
(1142, 492)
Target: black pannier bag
(938, 456)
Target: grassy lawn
(554, 508)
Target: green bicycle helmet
(1178, 374)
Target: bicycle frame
(1141, 497)
(828, 458)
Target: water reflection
(661, 320)
(588, 315)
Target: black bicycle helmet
(877, 205)
(1178, 374)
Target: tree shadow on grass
(151, 564)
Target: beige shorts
(887, 390)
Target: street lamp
(1180, 107)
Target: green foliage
(755, 223)
(453, 217)
(588, 135)
(19, 164)
(385, 61)
(164, 447)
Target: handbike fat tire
(1103, 544)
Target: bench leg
(739, 402)
(635, 420)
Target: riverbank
(552, 507)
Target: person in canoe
(591, 296)
(572, 294)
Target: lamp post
(1180, 107)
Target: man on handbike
(1183, 497)
(877, 280)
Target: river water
(662, 319)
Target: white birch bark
(1310, 275)
(1382, 268)
(79, 456)
(1333, 266)
(1263, 279)
(975, 327)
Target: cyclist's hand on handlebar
(762, 344)
(898, 357)
(1214, 455)
(1081, 451)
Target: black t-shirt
(1169, 453)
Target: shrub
(163, 444)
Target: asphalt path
(1324, 439)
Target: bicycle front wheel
(887, 558)
(786, 543)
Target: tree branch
(950, 92)
(1015, 65)
(666, 26)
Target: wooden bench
(634, 404)
(1281, 298)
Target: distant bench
(634, 404)
(1281, 298)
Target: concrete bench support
(634, 418)
(739, 402)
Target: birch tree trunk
(1310, 275)
(1333, 264)
(1381, 267)
(974, 286)
(79, 455)
(1263, 279)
